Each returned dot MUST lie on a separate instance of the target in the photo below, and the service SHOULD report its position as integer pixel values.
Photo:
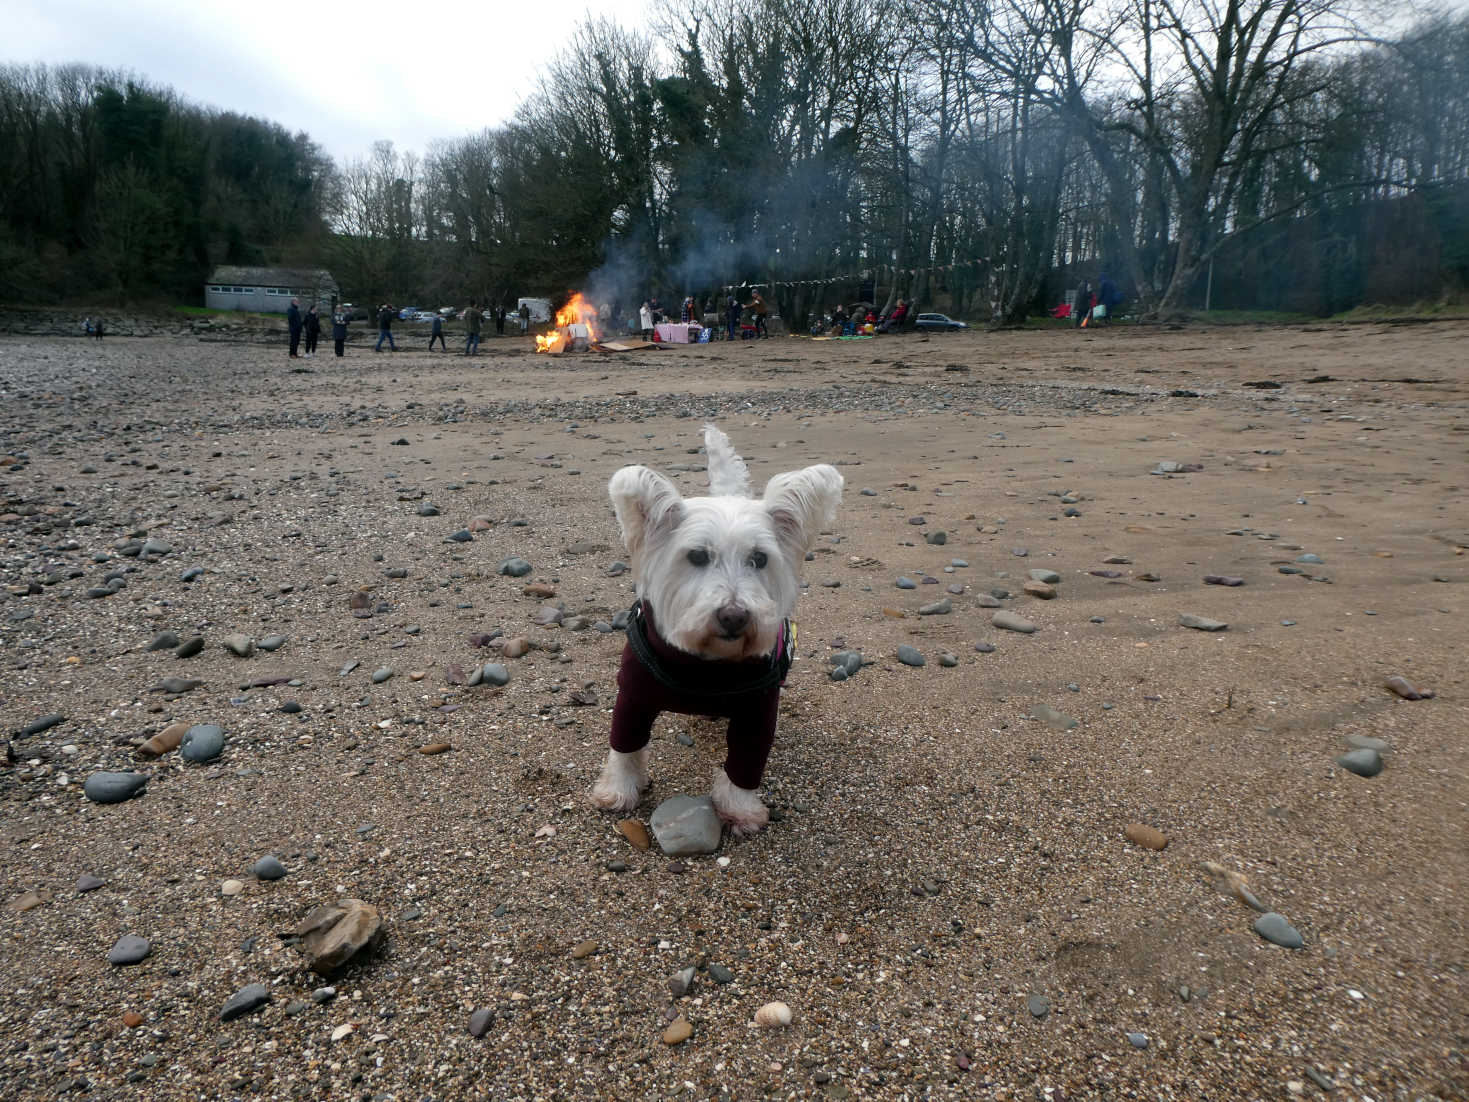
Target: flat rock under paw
(686, 825)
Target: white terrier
(709, 635)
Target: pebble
(1138, 1040)
(480, 1021)
(89, 883)
(174, 686)
(720, 974)
(1364, 763)
(202, 742)
(130, 949)
(113, 788)
(685, 825)
(937, 608)
(514, 567)
(938, 538)
(1050, 577)
(518, 646)
(1040, 590)
(1145, 836)
(1019, 552)
(583, 949)
(1310, 558)
(494, 674)
(1038, 1005)
(1201, 623)
(948, 660)
(463, 535)
(382, 674)
(42, 723)
(231, 887)
(1223, 579)
(848, 662)
(164, 640)
(241, 646)
(906, 583)
(678, 1031)
(986, 600)
(681, 982)
(1274, 928)
(268, 867)
(248, 998)
(1011, 621)
(332, 934)
(985, 648)
(910, 656)
(272, 642)
(1401, 686)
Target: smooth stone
(1310, 558)
(268, 867)
(948, 660)
(176, 685)
(1011, 621)
(494, 674)
(1201, 623)
(130, 949)
(241, 646)
(986, 600)
(248, 998)
(381, 674)
(686, 825)
(164, 640)
(517, 646)
(583, 949)
(202, 742)
(190, 647)
(332, 934)
(1038, 1005)
(906, 583)
(427, 509)
(1056, 721)
(1223, 579)
(1019, 552)
(1399, 685)
(1364, 763)
(937, 608)
(1138, 1040)
(515, 567)
(231, 887)
(480, 1021)
(720, 974)
(155, 547)
(985, 648)
(89, 883)
(678, 1031)
(1049, 577)
(272, 642)
(165, 741)
(461, 536)
(113, 788)
(937, 538)
(1040, 590)
(848, 661)
(42, 723)
(1148, 837)
(681, 982)
(1274, 928)
(958, 562)
(910, 656)
(635, 832)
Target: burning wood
(576, 328)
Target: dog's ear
(801, 503)
(647, 505)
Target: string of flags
(878, 272)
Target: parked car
(938, 322)
(407, 312)
(424, 315)
(446, 311)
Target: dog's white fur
(693, 605)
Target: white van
(540, 308)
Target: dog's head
(720, 572)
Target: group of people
(92, 327)
(308, 326)
(862, 319)
(730, 317)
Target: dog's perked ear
(648, 506)
(802, 503)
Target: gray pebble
(1138, 1040)
(190, 647)
(1274, 928)
(514, 567)
(1012, 621)
(986, 600)
(1310, 558)
(948, 660)
(268, 867)
(985, 648)
(910, 656)
(164, 640)
(89, 883)
(1365, 762)
(1038, 1005)
(427, 509)
(686, 825)
(272, 642)
(250, 997)
(113, 788)
(906, 583)
(381, 675)
(938, 538)
(241, 646)
(480, 1021)
(937, 608)
(1201, 623)
(720, 974)
(1019, 552)
(867, 491)
(494, 674)
(202, 742)
(461, 536)
(681, 982)
(1050, 577)
(130, 949)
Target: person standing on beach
(385, 328)
(500, 320)
(524, 319)
(293, 323)
(339, 330)
(313, 331)
(472, 320)
(436, 333)
(757, 303)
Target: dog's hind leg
(741, 808)
(624, 776)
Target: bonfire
(576, 327)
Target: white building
(269, 290)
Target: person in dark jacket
(293, 322)
(732, 312)
(339, 330)
(436, 333)
(385, 328)
(472, 320)
(313, 331)
(500, 320)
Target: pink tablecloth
(677, 333)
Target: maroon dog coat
(655, 676)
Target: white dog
(710, 635)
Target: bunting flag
(878, 272)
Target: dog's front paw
(624, 776)
(741, 808)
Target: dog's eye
(758, 560)
(699, 557)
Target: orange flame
(578, 311)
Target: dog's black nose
(732, 620)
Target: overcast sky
(347, 74)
